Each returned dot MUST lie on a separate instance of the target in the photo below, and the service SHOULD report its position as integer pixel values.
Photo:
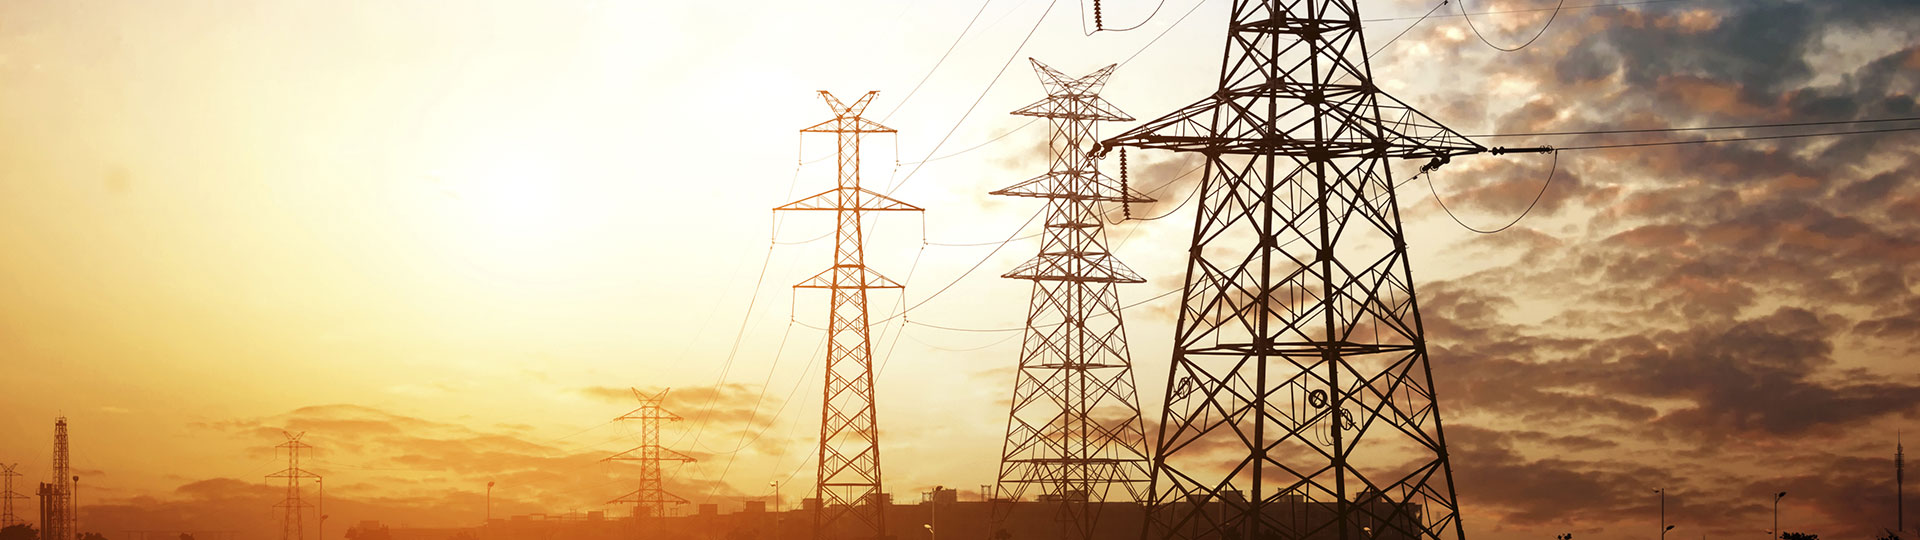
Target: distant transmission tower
(849, 471)
(7, 516)
(1300, 403)
(1899, 484)
(60, 522)
(1074, 430)
(293, 506)
(651, 498)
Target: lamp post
(1776, 513)
(76, 509)
(489, 503)
(1664, 527)
(930, 531)
(320, 529)
(778, 523)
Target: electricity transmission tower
(849, 471)
(1074, 429)
(651, 498)
(293, 506)
(59, 521)
(7, 516)
(1300, 403)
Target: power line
(1528, 10)
(1536, 35)
(977, 146)
(1700, 128)
(1555, 168)
(977, 100)
(1136, 26)
(936, 64)
(1737, 139)
(1163, 33)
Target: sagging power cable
(1536, 35)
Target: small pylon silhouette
(7, 517)
(292, 505)
(650, 500)
(1074, 430)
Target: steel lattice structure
(849, 471)
(1074, 430)
(7, 495)
(651, 498)
(60, 521)
(293, 505)
(1300, 402)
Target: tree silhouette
(1799, 536)
(1888, 534)
(93, 536)
(19, 532)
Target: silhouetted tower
(59, 522)
(849, 472)
(651, 498)
(7, 516)
(1300, 403)
(292, 505)
(1074, 430)
(1899, 484)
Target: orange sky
(443, 240)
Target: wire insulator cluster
(1097, 24)
(1126, 201)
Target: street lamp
(1664, 527)
(930, 533)
(778, 523)
(1776, 513)
(320, 530)
(489, 501)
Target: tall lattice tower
(7, 516)
(1074, 430)
(650, 498)
(848, 483)
(60, 522)
(293, 506)
(1300, 403)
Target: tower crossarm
(850, 198)
(665, 455)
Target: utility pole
(650, 500)
(1300, 376)
(292, 505)
(1074, 430)
(1776, 513)
(1899, 484)
(7, 516)
(848, 485)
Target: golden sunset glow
(445, 240)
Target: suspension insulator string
(1097, 25)
(1126, 197)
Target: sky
(443, 240)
